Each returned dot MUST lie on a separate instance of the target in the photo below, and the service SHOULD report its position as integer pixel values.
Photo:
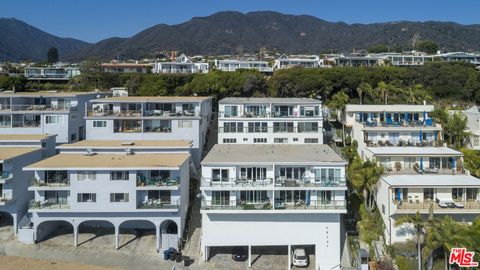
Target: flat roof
(11, 152)
(413, 151)
(434, 180)
(263, 100)
(128, 144)
(151, 99)
(24, 137)
(106, 161)
(45, 94)
(254, 153)
(389, 108)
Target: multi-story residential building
(51, 73)
(428, 180)
(473, 126)
(133, 184)
(460, 57)
(233, 65)
(403, 59)
(182, 64)
(126, 67)
(270, 120)
(284, 61)
(392, 125)
(274, 195)
(151, 118)
(49, 112)
(16, 152)
(353, 60)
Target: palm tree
(420, 224)
(383, 89)
(338, 102)
(364, 178)
(364, 88)
(446, 234)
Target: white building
(233, 65)
(309, 61)
(151, 118)
(51, 73)
(274, 195)
(270, 120)
(460, 57)
(90, 184)
(16, 152)
(48, 112)
(473, 126)
(392, 125)
(182, 64)
(404, 59)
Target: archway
(7, 228)
(57, 231)
(92, 231)
(169, 234)
(140, 232)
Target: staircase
(192, 248)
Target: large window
(119, 175)
(232, 127)
(472, 194)
(311, 140)
(257, 127)
(326, 175)
(427, 194)
(292, 172)
(86, 197)
(220, 197)
(283, 111)
(324, 196)
(86, 175)
(185, 123)
(283, 127)
(220, 175)
(98, 124)
(457, 193)
(309, 111)
(253, 173)
(308, 127)
(231, 111)
(118, 197)
(255, 111)
(54, 119)
(254, 196)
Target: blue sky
(93, 20)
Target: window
(257, 127)
(54, 119)
(119, 175)
(73, 137)
(253, 173)
(283, 111)
(245, 139)
(219, 175)
(231, 111)
(309, 111)
(295, 139)
(86, 197)
(383, 208)
(457, 193)
(472, 194)
(118, 197)
(308, 127)
(44, 145)
(280, 140)
(231, 127)
(292, 172)
(311, 140)
(427, 194)
(283, 127)
(74, 116)
(229, 140)
(98, 124)
(86, 175)
(253, 196)
(259, 140)
(220, 197)
(184, 123)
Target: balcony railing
(412, 142)
(50, 204)
(5, 197)
(50, 183)
(279, 182)
(158, 204)
(139, 113)
(426, 206)
(31, 107)
(279, 205)
(121, 113)
(5, 175)
(235, 182)
(268, 130)
(157, 182)
(400, 123)
(264, 115)
(427, 170)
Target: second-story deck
(279, 182)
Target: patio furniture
(279, 204)
(458, 205)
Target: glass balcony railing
(51, 183)
(279, 182)
(155, 203)
(46, 107)
(279, 205)
(57, 203)
(143, 181)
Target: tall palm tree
(446, 234)
(364, 88)
(420, 224)
(364, 178)
(382, 89)
(338, 102)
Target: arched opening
(94, 233)
(59, 232)
(6, 226)
(138, 234)
(169, 234)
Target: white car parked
(300, 257)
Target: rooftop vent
(90, 152)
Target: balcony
(40, 108)
(311, 182)
(6, 198)
(279, 205)
(159, 204)
(279, 182)
(424, 207)
(5, 176)
(57, 203)
(50, 183)
(427, 170)
(114, 113)
(234, 182)
(268, 130)
(161, 113)
(143, 181)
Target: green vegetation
(363, 177)
(472, 161)
(427, 46)
(454, 125)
